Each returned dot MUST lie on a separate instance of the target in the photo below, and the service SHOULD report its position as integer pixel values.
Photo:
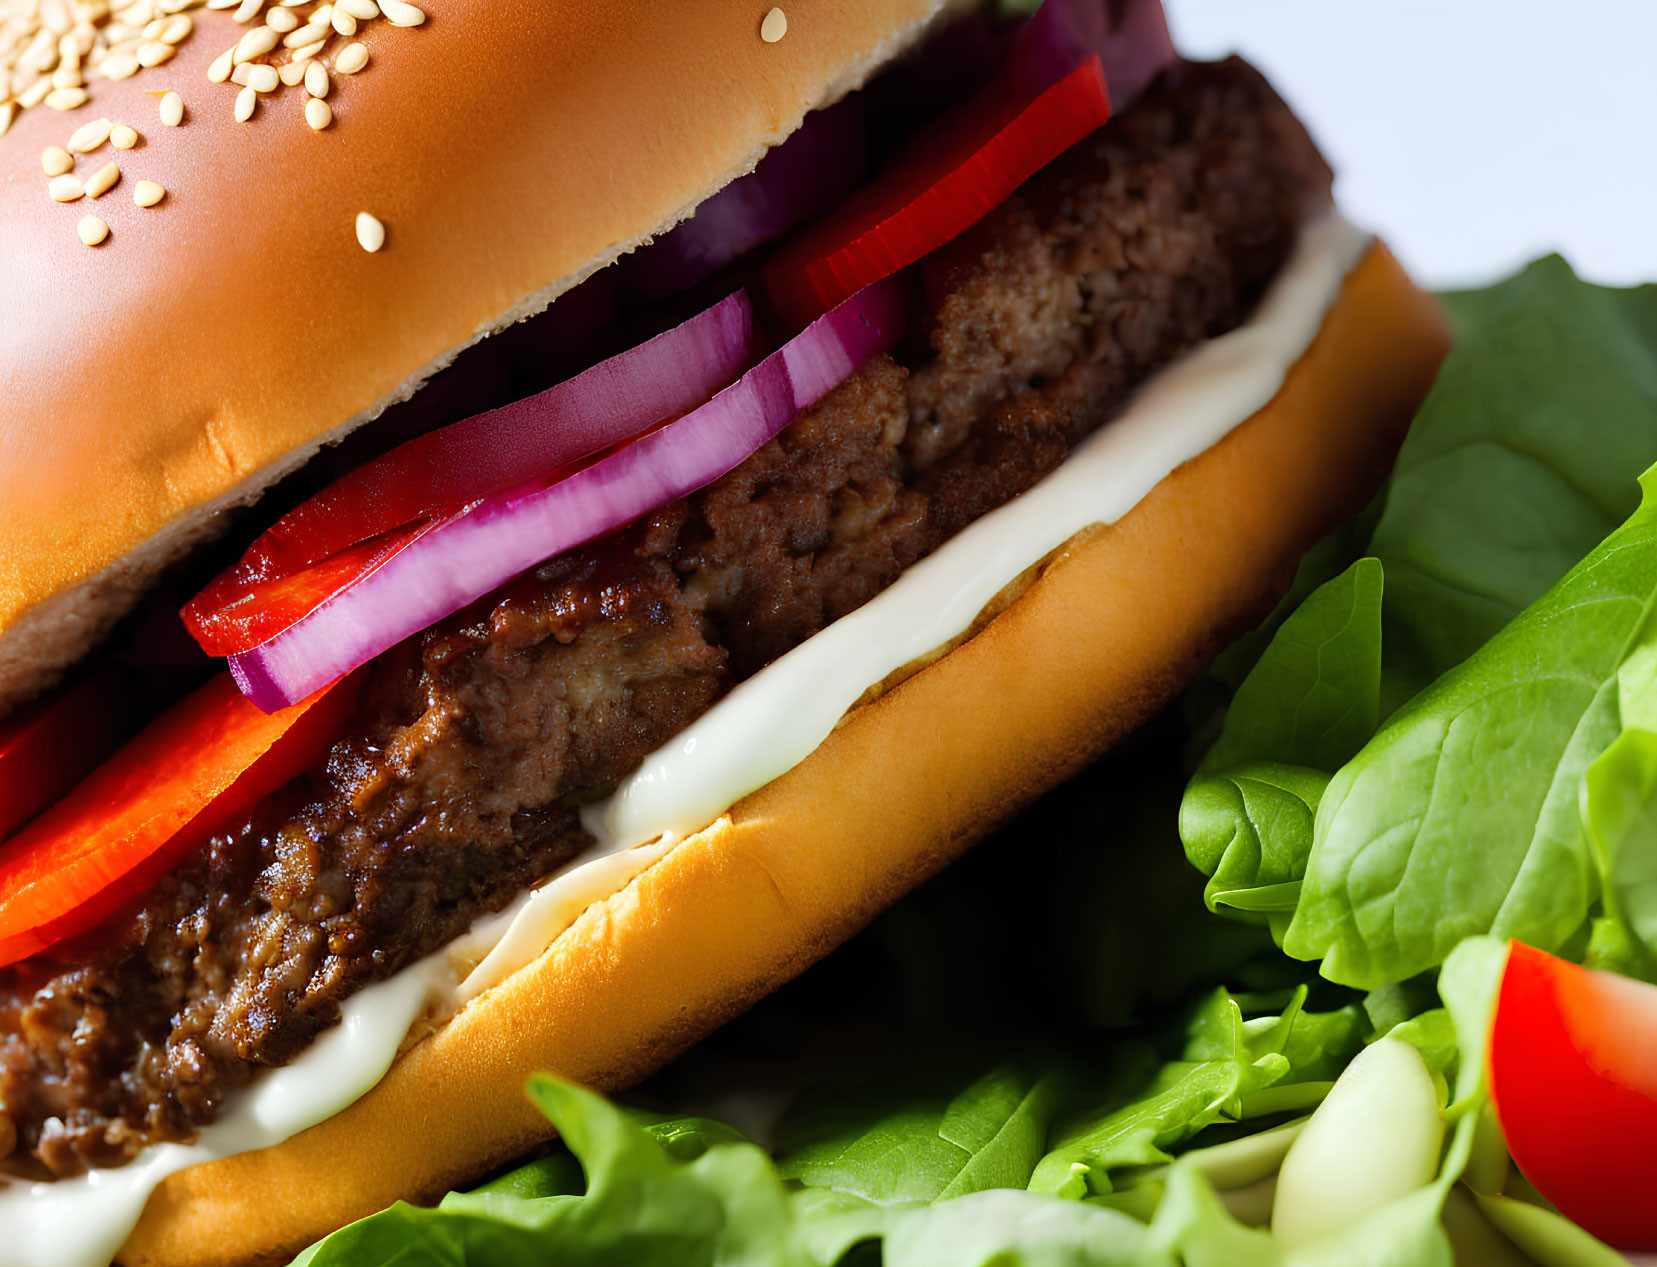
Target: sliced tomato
(263, 594)
(1573, 1073)
(54, 743)
(373, 512)
(986, 151)
(267, 593)
(200, 764)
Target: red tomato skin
(206, 760)
(984, 152)
(46, 748)
(1578, 1121)
(980, 153)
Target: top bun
(214, 341)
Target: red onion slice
(438, 473)
(472, 553)
(795, 183)
(1131, 38)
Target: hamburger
(663, 639)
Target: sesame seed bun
(1120, 618)
(209, 344)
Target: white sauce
(762, 729)
(516, 937)
(81, 1222)
(771, 722)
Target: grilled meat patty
(457, 783)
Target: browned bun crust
(215, 340)
(1120, 618)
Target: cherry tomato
(1573, 1073)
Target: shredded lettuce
(1074, 1049)
(1232, 1070)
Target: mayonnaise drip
(762, 729)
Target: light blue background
(1472, 134)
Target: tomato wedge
(205, 760)
(1574, 1081)
(923, 200)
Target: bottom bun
(1115, 624)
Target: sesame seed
(89, 136)
(256, 43)
(50, 50)
(401, 13)
(310, 33)
(351, 59)
(102, 181)
(65, 188)
(318, 113)
(147, 193)
(774, 26)
(246, 100)
(123, 137)
(172, 110)
(119, 66)
(55, 160)
(219, 71)
(242, 73)
(92, 230)
(370, 232)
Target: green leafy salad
(1077, 1047)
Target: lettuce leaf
(720, 1201)
(1402, 767)
(1523, 458)
(903, 1147)
(639, 1204)
(1461, 816)
(1232, 1069)
(919, 1177)
(1196, 1227)
(1309, 705)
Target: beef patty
(457, 783)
